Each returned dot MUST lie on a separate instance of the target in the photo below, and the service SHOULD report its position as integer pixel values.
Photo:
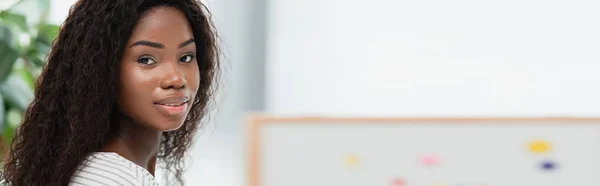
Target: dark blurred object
(25, 40)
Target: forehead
(166, 25)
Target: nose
(173, 77)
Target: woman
(125, 86)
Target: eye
(146, 60)
(186, 59)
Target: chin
(168, 126)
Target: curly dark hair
(75, 103)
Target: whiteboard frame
(256, 122)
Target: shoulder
(110, 169)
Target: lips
(173, 106)
(173, 101)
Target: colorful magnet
(539, 146)
(398, 182)
(351, 160)
(548, 165)
(429, 160)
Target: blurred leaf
(7, 53)
(7, 135)
(36, 57)
(6, 34)
(14, 19)
(16, 92)
(35, 10)
(13, 119)
(26, 76)
(2, 111)
(9, 35)
(43, 48)
(6, 61)
(47, 33)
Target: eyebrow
(158, 45)
(189, 41)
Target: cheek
(135, 90)
(193, 78)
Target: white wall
(433, 57)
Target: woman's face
(159, 72)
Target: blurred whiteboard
(424, 151)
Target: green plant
(25, 40)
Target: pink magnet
(430, 160)
(398, 182)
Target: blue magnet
(548, 165)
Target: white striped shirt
(109, 168)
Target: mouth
(173, 106)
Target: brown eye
(186, 58)
(146, 60)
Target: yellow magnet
(539, 146)
(352, 160)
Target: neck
(136, 143)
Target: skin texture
(98, 93)
(159, 63)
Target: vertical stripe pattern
(110, 169)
